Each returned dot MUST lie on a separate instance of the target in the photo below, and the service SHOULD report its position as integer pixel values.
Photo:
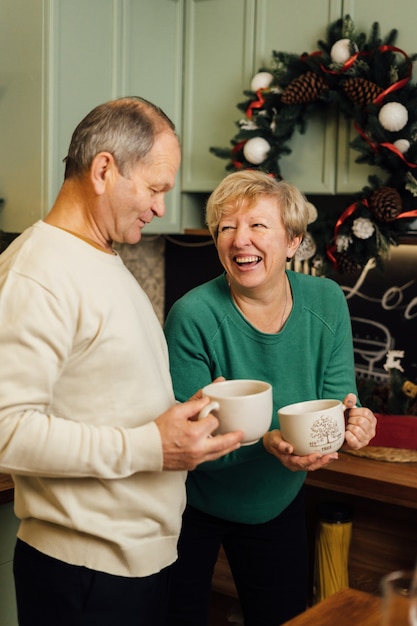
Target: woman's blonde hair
(243, 189)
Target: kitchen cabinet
(194, 58)
(227, 45)
(63, 58)
(218, 64)
(295, 26)
(21, 113)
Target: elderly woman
(258, 320)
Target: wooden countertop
(395, 483)
(344, 608)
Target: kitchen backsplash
(146, 261)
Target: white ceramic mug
(240, 404)
(313, 426)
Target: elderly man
(89, 427)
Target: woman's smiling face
(253, 244)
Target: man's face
(135, 199)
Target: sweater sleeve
(37, 344)
(188, 329)
(339, 376)
(191, 364)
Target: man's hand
(187, 441)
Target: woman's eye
(258, 225)
(223, 229)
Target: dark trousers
(52, 593)
(269, 563)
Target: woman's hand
(198, 394)
(360, 429)
(360, 426)
(276, 445)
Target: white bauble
(343, 242)
(256, 149)
(393, 116)
(340, 51)
(261, 80)
(363, 228)
(306, 249)
(402, 145)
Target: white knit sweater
(83, 374)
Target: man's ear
(102, 168)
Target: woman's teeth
(240, 260)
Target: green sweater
(312, 357)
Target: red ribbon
(390, 146)
(407, 214)
(256, 104)
(385, 48)
(385, 144)
(331, 249)
(345, 66)
(237, 164)
(400, 83)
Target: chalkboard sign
(383, 308)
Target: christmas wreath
(369, 80)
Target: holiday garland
(369, 80)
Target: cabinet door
(83, 55)
(218, 66)
(295, 26)
(21, 97)
(103, 49)
(152, 58)
(352, 176)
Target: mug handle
(213, 405)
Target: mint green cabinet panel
(83, 56)
(402, 15)
(226, 44)
(153, 39)
(21, 95)
(295, 26)
(63, 58)
(218, 65)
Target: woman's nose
(241, 236)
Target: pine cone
(305, 88)
(385, 203)
(361, 91)
(345, 263)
